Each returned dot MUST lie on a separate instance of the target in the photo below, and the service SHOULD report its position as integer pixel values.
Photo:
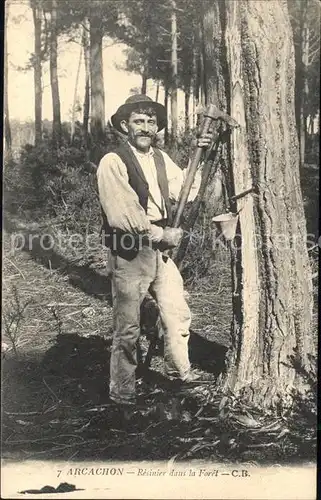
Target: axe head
(213, 112)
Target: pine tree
(272, 288)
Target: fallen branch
(51, 391)
(199, 446)
(62, 304)
(25, 413)
(58, 448)
(40, 440)
(262, 445)
(14, 265)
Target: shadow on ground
(58, 406)
(208, 355)
(83, 277)
(91, 282)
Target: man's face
(141, 129)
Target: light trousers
(131, 280)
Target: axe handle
(191, 174)
(207, 168)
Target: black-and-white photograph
(160, 249)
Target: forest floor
(57, 331)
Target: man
(136, 184)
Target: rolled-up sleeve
(118, 200)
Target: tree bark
(56, 124)
(86, 48)
(174, 64)
(272, 296)
(97, 122)
(304, 90)
(7, 128)
(36, 11)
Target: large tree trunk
(97, 122)
(86, 48)
(174, 64)
(7, 129)
(36, 11)
(304, 90)
(272, 297)
(56, 124)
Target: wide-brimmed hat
(137, 101)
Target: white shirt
(120, 202)
(155, 204)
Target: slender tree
(186, 21)
(195, 83)
(202, 66)
(157, 91)
(97, 122)
(174, 65)
(7, 128)
(138, 62)
(145, 78)
(166, 95)
(143, 26)
(56, 123)
(305, 20)
(37, 68)
(91, 22)
(85, 43)
(197, 77)
(74, 104)
(186, 107)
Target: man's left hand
(205, 140)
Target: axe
(211, 114)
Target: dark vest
(137, 180)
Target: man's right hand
(171, 238)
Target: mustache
(145, 135)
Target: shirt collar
(139, 153)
